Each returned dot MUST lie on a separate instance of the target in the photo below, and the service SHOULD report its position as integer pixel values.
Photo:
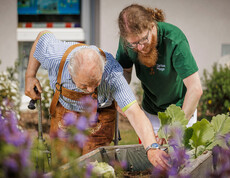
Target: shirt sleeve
(183, 60)
(121, 91)
(46, 48)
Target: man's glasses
(142, 41)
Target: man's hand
(30, 84)
(160, 141)
(159, 159)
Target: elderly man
(77, 70)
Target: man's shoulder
(170, 32)
(168, 26)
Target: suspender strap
(62, 89)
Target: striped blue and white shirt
(113, 86)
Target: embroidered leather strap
(61, 90)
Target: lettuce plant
(202, 136)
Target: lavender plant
(221, 160)
(202, 136)
(179, 157)
(195, 140)
(74, 134)
(15, 148)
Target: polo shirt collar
(159, 35)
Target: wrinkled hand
(30, 84)
(159, 159)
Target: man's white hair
(83, 56)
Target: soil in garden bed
(136, 174)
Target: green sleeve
(183, 60)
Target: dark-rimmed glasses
(142, 41)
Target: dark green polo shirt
(175, 63)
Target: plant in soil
(194, 140)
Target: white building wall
(205, 23)
(8, 35)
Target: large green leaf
(203, 134)
(173, 117)
(177, 115)
(221, 124)
(187, 135)
(164, 118)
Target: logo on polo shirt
(160, 67)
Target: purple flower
(93, 119)
(80, 139)
(69, 119)
(16, 140)
(11, 164)
(221, 162)
(89, 169)
(124, 164)
(82, 123)
(9, 131)
(24, 157)
(89, 103)
(179, 159)
(61, 134)
(176, 137)
(227, 139)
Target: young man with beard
(163, 62)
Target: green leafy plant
(202, 136)
(216, 94)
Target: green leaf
(203, 134)
(163, 132)
(164, 118)
(187, 135)
(221, 124)
(173, 116)
(177, 115)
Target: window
(49, 11)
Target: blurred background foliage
(216, 91)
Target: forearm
(30, 76)
(193, 94)
(190, 104)
(141, 125)
(144, 130)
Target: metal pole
(40, 132)
(116, 129)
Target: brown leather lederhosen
(102, 133)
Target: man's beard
(149, 59)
